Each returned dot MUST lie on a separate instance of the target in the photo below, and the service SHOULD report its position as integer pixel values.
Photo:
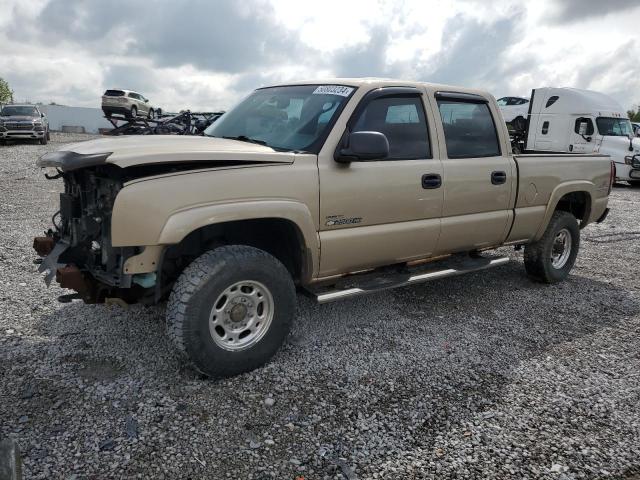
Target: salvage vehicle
(570, 120)
(23, 122)
(336, 188)
(128, 104)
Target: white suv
(127, 103)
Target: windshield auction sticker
(333, 90)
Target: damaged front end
(77, 251)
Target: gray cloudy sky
(206, 54)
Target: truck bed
(544, 179)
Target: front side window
(296, 117)
(402, 120)
(581, 120)
(614, 127)
(469, 130)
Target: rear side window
(114, 93)
(402, 120)
(469, 130)
(134, 95)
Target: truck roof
(576, 101)
(375, 82)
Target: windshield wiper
(244, 138)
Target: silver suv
(127, 103)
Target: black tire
(150, 115)
(44, 140)
(3, 142)
(200, 286)
(538, 255)
(134, 112)
(634, 183)
(48, 135)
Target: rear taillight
(612, 176)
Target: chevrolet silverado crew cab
(335, 188)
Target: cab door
(479, 176)
(387, 210)
(582, 138)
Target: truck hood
(136, 150)
(617, 147)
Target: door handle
(498, 177)
(431, 180)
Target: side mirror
(42, 115)
(364, 146)
(146, 100)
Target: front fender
(182, 223)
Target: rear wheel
(134, 111)
(231, 309)
(551, 258)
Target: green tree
(6, 94)
(634, 115)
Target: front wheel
(231, 309)
(151, 114)
(44, 140)
(551, 258)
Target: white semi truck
(570, 120)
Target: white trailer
(561, 120)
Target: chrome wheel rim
(241, 315)
(561, 249)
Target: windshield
(285, 118)
(502, 101)
(17, 110)
(614, 127)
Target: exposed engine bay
(81, 235)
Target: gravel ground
(483, 376)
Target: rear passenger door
(478, 176)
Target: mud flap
(50, 262)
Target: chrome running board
(364, 284)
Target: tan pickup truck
(335, 188)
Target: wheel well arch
(577, 203)
(280, 237)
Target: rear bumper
(116, 110)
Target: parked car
(396, 183)
(127, 103)
(513, 107)
(23, 122)
(570, 120)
